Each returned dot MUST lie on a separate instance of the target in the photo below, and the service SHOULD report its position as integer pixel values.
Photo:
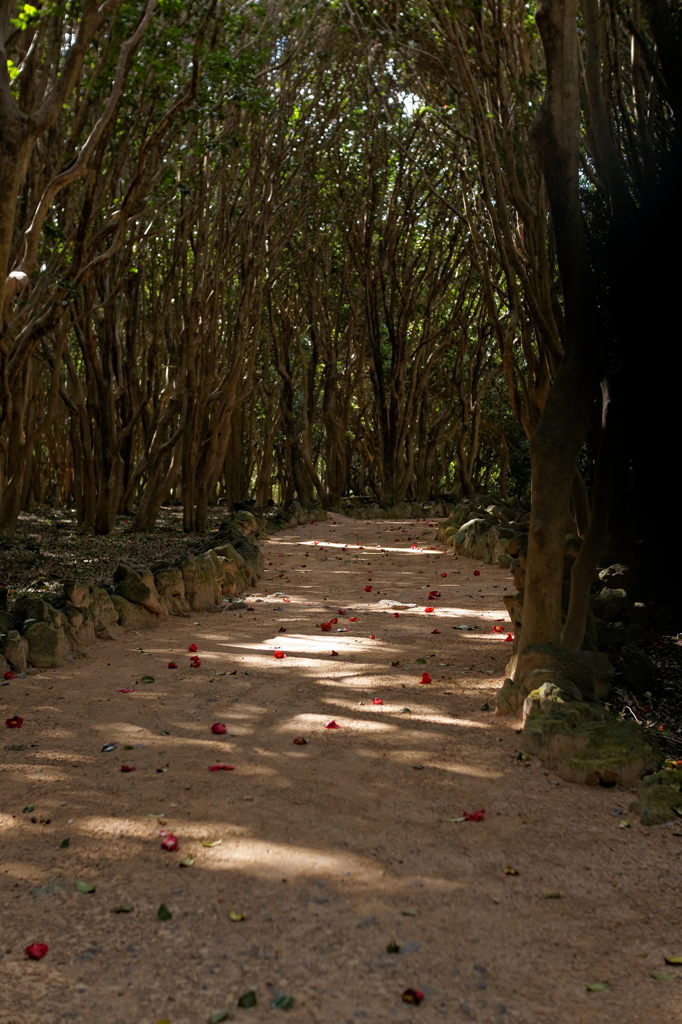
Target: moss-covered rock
(47, 645)
(15, 651)
(133, 616)
(660, 797)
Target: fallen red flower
(341, 611)
(434, 593)
(325, 627)
(429, 609)
(10, 674)
(509, 638)
(395, 615)
(171, 664)
(287, 600)
(128, 768)
(443, 574)
(354, 619)
(219, 729)
(474, 816)
(476, 572)
(279, 654)
(15, 722)
(281, 629)
(377, 700)
(332, 725)
(196, 662)
(435, 631)
(372, 636)
(170, 843)
(368, 590)
(333, 622)
(36, 951)
(426, 678)
(192, 647)
(126, 689)
(335, 654)
(498, 629)
(221, 768)
(413, 996)
(300, 741)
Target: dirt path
(334, 849)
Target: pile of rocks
(48, 630)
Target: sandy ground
(330, 850)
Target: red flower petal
(435, 593)
(426, 678)
(196, 662)
(353, 620)
(128, 768)
(443, 574)
(395, 615)
(429, 609)
(435, 631)
(325, 626)
(332, 622)
(332, 725)
(341, 611)
(36, 951)
(372, 636)
(474, 816)
(15, 722)
(300, 741)
(126, 689)
(170, 843)
(221, 768)
(279, 654)
(192, 647)
(368, 590)
(219, 729)
(377, 700)
(10, 674)
(171, 664)
(476, 572)
(281, 629)
(335, 654)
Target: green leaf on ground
(163, 913)
(27, 810)
(237, 915)
(420, 661)
(187, 861)
(84, 886)
(283, 1003)
(247, 1000)
(164, 769)
(410, 913)
(221, 1015)
(64, 843)
(659, 976)
(392, 947)
(673, 959)
(146, 679)
(126, 908)
(212, 842)
(597, 986)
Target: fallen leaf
(410, 913)
(125, 909)
(221, 768)
(163, 913)
(219, 728)
(332, 725)
(236, 915)
(164, 769)
(282, 1003)
(128, 768)
(407, 711)
(300, 741)
(146, 679)
(597, 986)
(84, 886)
(551, 896)
(171, 664)
(247, 1000)
(392, 947)
(28, 809)
(211, 842)
(36, 951)
(420, 661)
(510, 870)
(413, 996)
(15, 722)
(187, 861)
(170, 843)
(673, 959)
(222, 1015)
(64, 843)
(624, 824)
(659, 976)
